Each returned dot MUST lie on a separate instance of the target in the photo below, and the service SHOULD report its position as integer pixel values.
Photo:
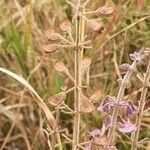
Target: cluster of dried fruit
(82, 65)
(69, 40)
(59, 41)
(87, 103)
(66, 28)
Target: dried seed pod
(124, 67)
(105, 10)
(96, 95)
(99, 143)
(86, 105)
(57, 99)
(95, 26)
(85, 64)
(52, 35)
(50, 48)
(65, 26)
(60, 67)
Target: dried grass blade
(40, 102)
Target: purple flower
(129, 108)
(95, 132)
(88, 147)
(135, 56)
(103, 108)
(125, 126)
(138, 56)
(107, 121)
(108, 102)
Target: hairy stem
(120, 95)
(141, 108)
(76, 130)
(82, 31)
(82, 51)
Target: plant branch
(76, 130)
(141, 108)
(119, 98)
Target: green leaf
(58, 83)
(115, 1)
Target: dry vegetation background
(22, 23)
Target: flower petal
(125, 126)
(138, 56)
(108, 102)
(95, 132)
(107, 121)
(103, 108)
(89, 147)
(129, 108)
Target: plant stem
(141, 108)
(82, 31)
(82, 37)
(120, 95)
(56, 129)
(60, 146)
(76, 130)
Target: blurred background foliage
(22, 26)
